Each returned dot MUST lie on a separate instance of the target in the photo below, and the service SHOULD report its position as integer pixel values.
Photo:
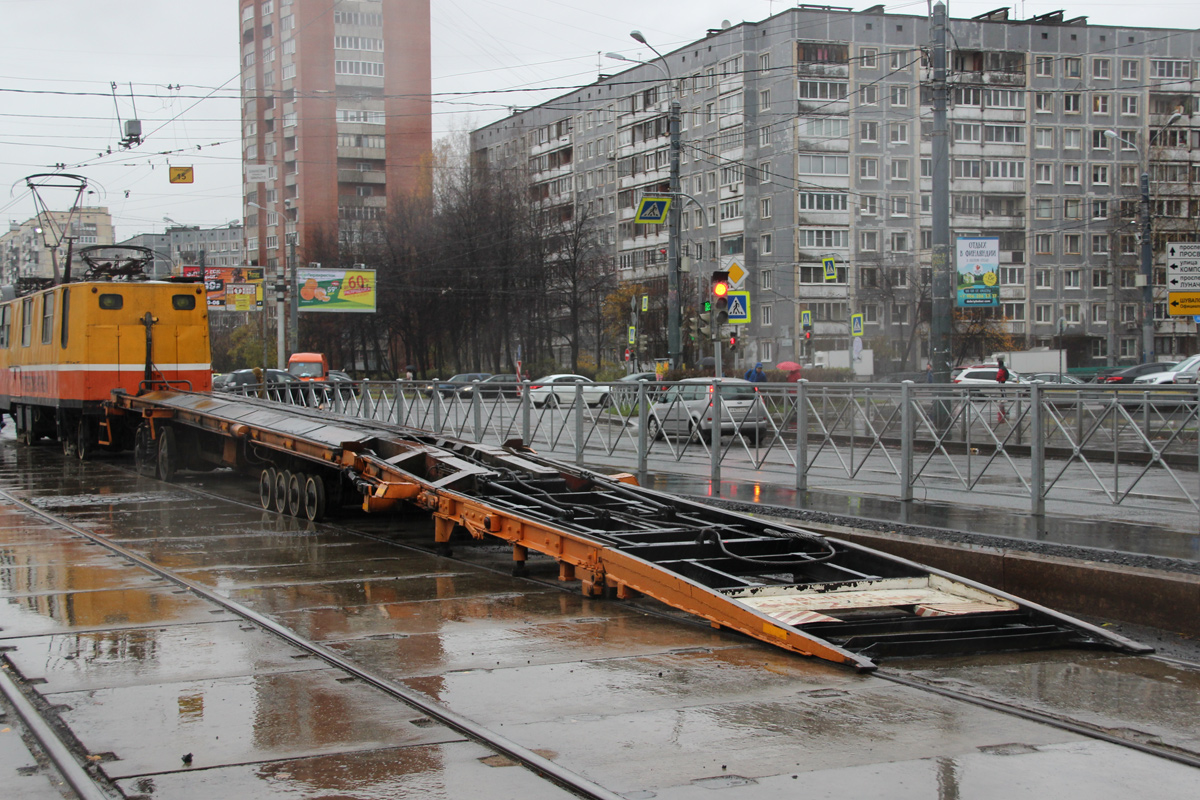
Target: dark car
(1130, 374)
(456, 383)
(279, 383)
(494, 386)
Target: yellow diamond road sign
(653, 210)
(736, 273)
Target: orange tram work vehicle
(64, 348)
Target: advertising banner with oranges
(339, 290)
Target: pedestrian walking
(929, 373)
(756, 375)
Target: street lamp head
(617, 57)
(637, 37)
(1174, 118)
(1111, 134)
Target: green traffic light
(708, 305)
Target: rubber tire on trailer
(143, 451)
(295, 493)
(314, 498)
(167, 458)
(281, 483)
(85, 438)
(266, 488)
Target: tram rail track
(1060, 722)
(58, 751)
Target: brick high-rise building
(335, 117)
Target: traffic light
(733, 337)
(808, 330)
(705, 328)
(720, 295)
(643, 344)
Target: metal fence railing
(1094, 444)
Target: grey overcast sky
(59, 58)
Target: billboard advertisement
(977, 278)
(231, 288)
(337, 290)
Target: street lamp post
(1147, 248)
(674, 307)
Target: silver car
(688, 407)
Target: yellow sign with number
(181, 174)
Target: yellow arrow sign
(1183, 304)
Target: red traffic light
(720, 289)
(808, 334)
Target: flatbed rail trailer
(795, 589)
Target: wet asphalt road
(630, 695)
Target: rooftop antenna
(132, 127)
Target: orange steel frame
(595, 564)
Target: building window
(1043, 313)
(766, 279)
(901, 242)
(899, 169)
(868, 57)
(898, 133)
(1043, 138)
(869, 241)
(868, 205)
(369, 68)
(1043, 66)
(1073, 67)
(764, 244)
(1100, 104)
(1043, 102)
(868, 95)
(1101, 68)
(868, 168)
(764, 316)
(868, 131)
(1071, 103)
(1129, 104)
(1099, 175)
(764, 207)
(1072, 173)
(1043, 244)
(1129, 69)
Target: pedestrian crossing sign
(856, 324)
(653, 210)
(739, 308)
(830, 265)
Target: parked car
(277, 382)
(559, 389)
(1053, 377)
(627, 386)
(494, 386)
(336, 375)
(688, 406)
(984, 375)
(1130, 374)
(220, 382)
(1183, 372)
(450, 387)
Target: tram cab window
(5, 326)
(47, 317)
(112, 302)
(26, 321)
(183, 302)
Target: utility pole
(674, 306)
(940, 319)
(293, 299)
(1111, 304)
(1147, 271)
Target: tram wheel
(314, 498)
(295, 493)
(168, 455)
(266, 488)
(143, 445)
(281, 489)
(85, 438)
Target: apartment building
(192, 245)
(28, 249)
(335, 116)
(808, 136)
